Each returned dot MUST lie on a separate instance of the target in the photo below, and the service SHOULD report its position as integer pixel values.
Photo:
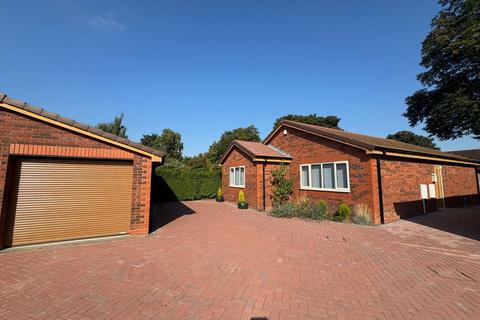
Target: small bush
(304, 208)
(361, 214)
(286, 210)
(320, 211)
(241, 197)
(343, 213)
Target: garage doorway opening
(52, 199)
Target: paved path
(217, 262)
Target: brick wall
(306, 148)
(401, 179)
(37, 138)
(460, 186)
(238, 158)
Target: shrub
(304, 208)
(281, 186)
(343, 213)
(361, 214)
(174, 184)
(241, 197)
(286, 210)
(320, 211)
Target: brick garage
(384, 174)
(34, 138)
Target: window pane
(237, 176)
(232, 177)
(242, 176)
(342, 175)
(328, 176)
(304, 179)
(316, 176)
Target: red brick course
(21, 135)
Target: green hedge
(174, 184)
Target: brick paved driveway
(223, 263)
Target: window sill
(326, 190)
(237, 187)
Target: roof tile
(369, 142)
(31, 108)
(54, 116)
(49, 114)
(259, 149)
(472, 154)
(13, 102)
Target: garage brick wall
(460, 185)
(22, 130)
(401, 181)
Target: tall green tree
(116, 127)
(218, 148)
(327, 121)
(449, 103)
(415, 139)
(170, 142)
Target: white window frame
(336, 189)
(230, 179)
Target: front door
(439, 187)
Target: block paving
(213, 261)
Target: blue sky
(203, 67)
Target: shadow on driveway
(166, 212)
(464, 222)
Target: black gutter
(380, 190)
(263, 187)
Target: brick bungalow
(473, 154)
(339, 166)
(62, 180)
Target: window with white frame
(237, 177)
(328, 176)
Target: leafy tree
(327, 121)
(151, 140)
(415, 139)
(449, 103)
(170, 142)
(218, 148)
(116, 127)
